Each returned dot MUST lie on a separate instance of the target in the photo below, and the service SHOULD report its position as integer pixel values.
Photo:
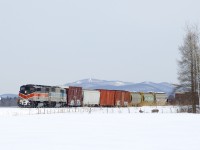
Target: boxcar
(107, 98)
(185, 98)
(91, 98)
(136, 98)
(74, 96)
(122, 98)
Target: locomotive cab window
(22, 88)
(32, 89)
(38, 89)
(27, 89)
(62, 93)
(53, 89)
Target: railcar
(74, 96)
(41, 96)
(161, 99)
(107, 98)
(122, 98)
(148, 98)
(185, 98)
(136, 98)
(91, 98)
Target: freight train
(53, 96)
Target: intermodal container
(107, 97)
(74, 96)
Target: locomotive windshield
(27, 89)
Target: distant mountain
(8, 95)
(96, 83)
(120, 85)
(117, 85)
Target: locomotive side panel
(40, 95)
(57, 94)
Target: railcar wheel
(33, 104)
(45, 104)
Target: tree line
(8, 101)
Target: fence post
(129, 110)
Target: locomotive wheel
(33, 104)
(52, 104)
(45, 104)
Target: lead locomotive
(41, 96)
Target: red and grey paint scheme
(41, 96)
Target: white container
(91, 97)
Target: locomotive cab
(26, 95)
(27, 89)
(41, 96)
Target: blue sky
(53, 42)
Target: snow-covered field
(85, 110)
(98, 129)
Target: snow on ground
(16, 111)
(98, 129)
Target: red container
(122, 98)
(74, 96)
(107, 98)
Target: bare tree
(188, 73)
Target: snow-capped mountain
(95, 83)
(120, 85)
(117, 85)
